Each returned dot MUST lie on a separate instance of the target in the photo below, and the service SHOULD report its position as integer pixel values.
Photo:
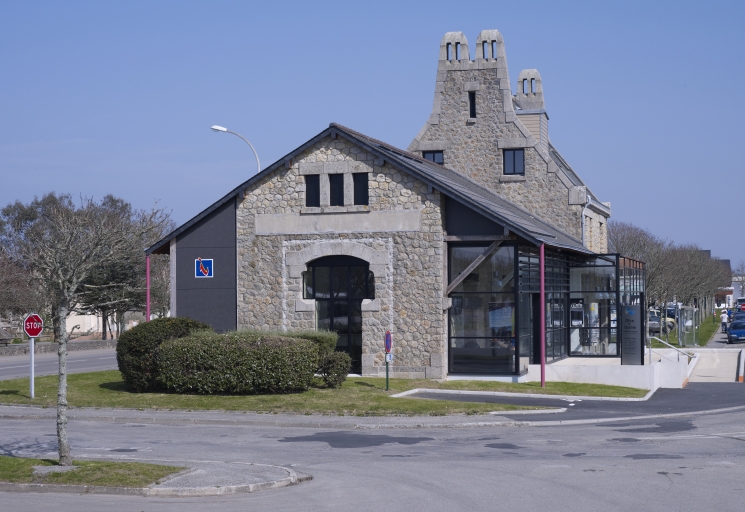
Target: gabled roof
(449, 182)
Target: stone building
(455, 246)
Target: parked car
(669, 321)
(736, 332)
(653, 324)
(739, 316)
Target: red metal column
(542, 311)
(147, 287)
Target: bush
(236, 363)
(334, 368)
(136, 348)
(325, 340)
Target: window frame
(509, 161)
(336, 189)
(434, 153)
(361, 185)
(312, 190)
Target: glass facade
(482, 316)
(494, 320)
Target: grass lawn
(705, 332)
(112, 474)
(358, 396)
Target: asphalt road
(720, 341)
(79, 361)
(695, 397)
(690, 463)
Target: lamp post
(218, 129)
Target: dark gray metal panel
(460, 220)
(213, 307)
(215, 230)
(210, 300)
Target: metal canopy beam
(461, 277)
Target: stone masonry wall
(407, 264)
(474, 146)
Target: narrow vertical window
(485, 49)
(312, 190)
(360, 188)
(336, 189)
(448, 51)
(472, 104)
(457, 51)
(494, 49)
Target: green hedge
(334, 368)
(136, 348)
(325, 340)
(237, 363)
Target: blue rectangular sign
(202, 268)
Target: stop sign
(742, 307)
(33, 325)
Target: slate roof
(451, 183)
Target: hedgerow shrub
(136, 348)
(334, 368)
(236, 363)
(325, 340)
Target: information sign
(388, 342)
(631, 333)
(203, 268)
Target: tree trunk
(55, 327)
(63, 445)
(104, 322)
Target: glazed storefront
(494, 324)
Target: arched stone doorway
(339, 284)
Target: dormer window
(514, 161)
(434, 156)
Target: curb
(521, 395)
(161, 492)
(408, 422)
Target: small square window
(514, 161)
(312, 190)
(360, 188)
(437, 157)
(336, 189)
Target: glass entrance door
(339, 284)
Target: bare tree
(738, 276)
(63, 243)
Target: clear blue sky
(645, 98)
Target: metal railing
(687, 354)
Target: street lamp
(218, 129)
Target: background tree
(63, 244)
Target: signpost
(632, 351)
(32, 326)
(388, 355)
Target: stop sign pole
(32, 326)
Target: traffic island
(142, 479)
